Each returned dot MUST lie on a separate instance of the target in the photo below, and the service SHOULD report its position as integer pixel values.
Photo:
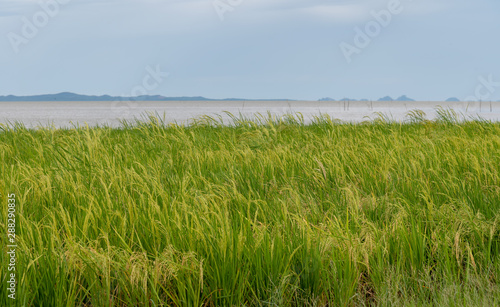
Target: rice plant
(263, 211)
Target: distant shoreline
(67, 97)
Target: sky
(254, 49)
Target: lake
(67, 114)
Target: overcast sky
(296, 49)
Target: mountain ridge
(68, 96)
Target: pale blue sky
(430, 49)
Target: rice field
(266, 211)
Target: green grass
(269, 212)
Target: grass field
(263, 212)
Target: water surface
(67, 114)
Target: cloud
(14, 7)
(339, 11)
(335, 12)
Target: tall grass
(261, 212)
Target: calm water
(66, 114)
